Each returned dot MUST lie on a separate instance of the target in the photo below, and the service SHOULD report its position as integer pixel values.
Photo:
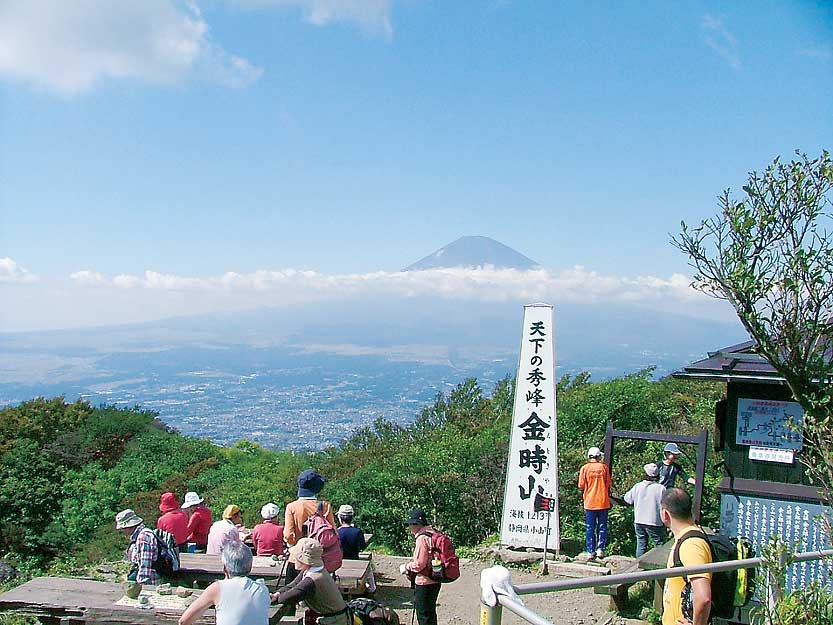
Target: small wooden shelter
(765, 490)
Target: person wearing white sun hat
(199, 520)
(267, 537)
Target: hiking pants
(656, 534)
(595, 529)
(425, 603)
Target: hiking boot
(600, 554)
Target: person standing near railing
(675, 510)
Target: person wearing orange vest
(594, 482)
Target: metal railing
(492, 615)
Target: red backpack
(319, 528)
(442, 549)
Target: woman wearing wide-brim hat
(314, 586)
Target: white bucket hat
(191, 499)
(270, 511)
(345, 509)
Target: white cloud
(12, 273)
(372, 16)
(88, 278)
(719, 39)
(69, 46)
(268, 287)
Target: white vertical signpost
(530, 504)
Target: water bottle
(437, 568)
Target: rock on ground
(459, 601)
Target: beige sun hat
(127, 518)
(345, 509)
(308, 551)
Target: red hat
(168, 502)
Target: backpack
(730, 589)
(319, 528)
(442, 549)
(372, 612)
(167, 553)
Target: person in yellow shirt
(675, 511)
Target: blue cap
(310, 483)
(672, 448)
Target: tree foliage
(69, 467)
(770, 255)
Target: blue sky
(348, 137)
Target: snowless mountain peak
(474, 251)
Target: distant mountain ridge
(474, 251)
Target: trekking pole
(545, 568)
(413, 600)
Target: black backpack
(372, 612)
(730, 589)
(167, 553)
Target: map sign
(766, 423)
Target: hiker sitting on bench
(314, 586)
(143, 551)
(237, 600)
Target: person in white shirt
(237, 600)
(645, 497)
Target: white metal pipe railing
(639, 576)
(493, 613)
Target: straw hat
(231, 510)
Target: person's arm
(300, 588)
(701, 590)
(192, 527)
(329, 515)
(209, 597)
(581, 481)
(628, 496)
(686, 476)
(422, 555)
(608, 478)
(362, 545)
(290, 530)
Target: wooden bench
(71, 601)
(618, 593)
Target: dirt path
(459, 602)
